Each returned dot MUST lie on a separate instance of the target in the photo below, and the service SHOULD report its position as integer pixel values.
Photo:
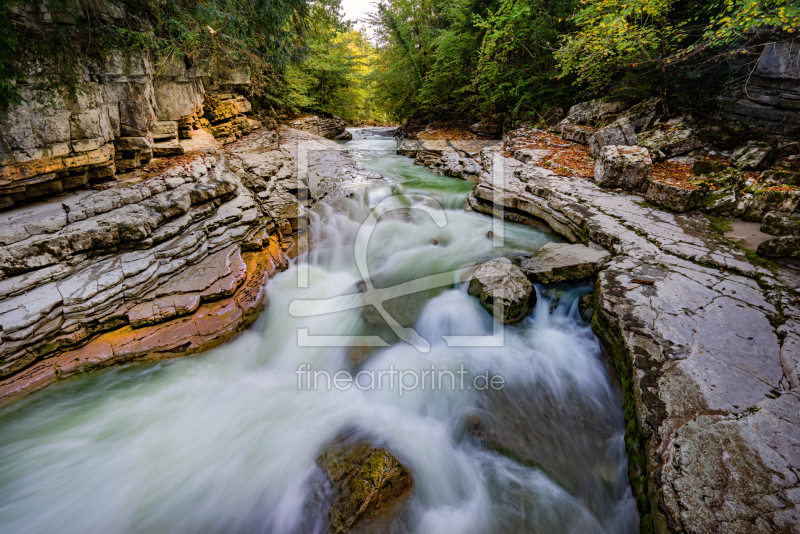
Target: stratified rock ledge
(706, 345)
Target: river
(227, 441)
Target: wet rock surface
(558, 262)
(704, 343)
(331, 170)
(504, 290)
(369, 485)
(156, 267)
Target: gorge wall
(769, 99)
(703, 338)
(124, 109)
(127, 231)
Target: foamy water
(227, 441)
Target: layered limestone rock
(675, 197)
(591, 113)
(328, 127)
(645, 115)
(559, 262)
(705, 344)
(454, 158)
(124, 112)
(160, 265)
(224, 117)
(620, 132)
(504, 290)
(577, 134)
(369, 486)
(752, 155)
(488, 129)
(625, 167)
(768, 100)
(676, 137)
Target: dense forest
(522, 59)
(428, 59)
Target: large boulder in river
(369, 485)
(559, 262)
(625, 167)
(504, 290)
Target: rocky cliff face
(770, 98)
(330, 128)
(125, 110)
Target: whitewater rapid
(227, 441)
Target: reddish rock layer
(211, 324)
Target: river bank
(704, 341)
(234, 429)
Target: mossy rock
(503, 290)
(787, 246)
(721, 202)
(369, 484)
(673, 197)
(726, 177)
(778, 224)
(781, 177)
(765, 201)
(707, 166)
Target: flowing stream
(227, 441)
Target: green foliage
(333, 75)
(259, 35)
(616, 32)
(516, 66)
(9, 43)
(662, 35)
(469, 57)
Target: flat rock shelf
(706, 344)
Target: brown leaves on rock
(447, 130)
(567, 158)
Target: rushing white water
(227, 441)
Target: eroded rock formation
(705, 344)
(171, 260)
(125, 111)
